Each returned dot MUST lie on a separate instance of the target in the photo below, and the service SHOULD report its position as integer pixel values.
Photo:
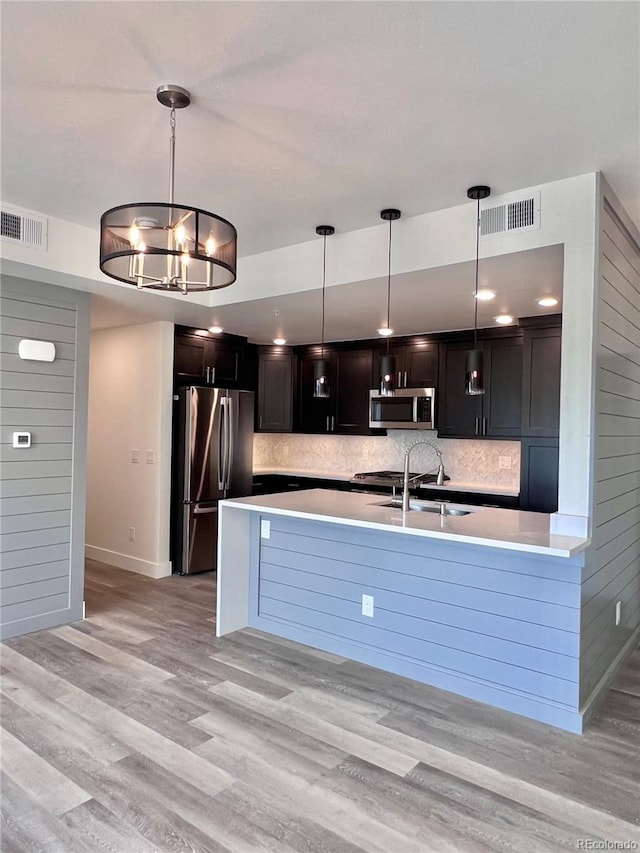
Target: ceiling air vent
(27, 229)
(513, 213)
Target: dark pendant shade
(321, 379)
(474, 372)
(387, 376)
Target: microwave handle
(415, 409)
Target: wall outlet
(618, 612)
(132, 534)
(135, 456)
(367, 606)
(504, 462)
(265, 529)
(150, 457)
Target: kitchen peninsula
(485, 604)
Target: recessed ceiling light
(485, 295)
(504, 319)
(215, 329)
(280, 341)
(385, 332)
(547, 301)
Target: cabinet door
(222, 358)
(541, 382)
(420, 369)
(354, 374)
(275, 392)
(457, 414)
(188, 359)
(539, 474)
(314, 414)
(502, 400)
(378, 355)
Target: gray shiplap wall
(501, 627)
(42, 488)
(612, 568)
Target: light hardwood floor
(137, 730)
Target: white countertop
(450, 485)
(497, 528)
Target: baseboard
(127, 562)
(599, 692)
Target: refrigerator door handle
(231, 432)
(222, 444)
(204, 510)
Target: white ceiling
(439, 299)
(305, 112)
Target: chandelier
(168, 246)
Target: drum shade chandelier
(474, 368)
(168, 246)
(321, 387)
(387, 362)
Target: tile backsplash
(465, 460)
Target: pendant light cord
(172, 154)
(475, 310)
(389, 287)
(324, 278)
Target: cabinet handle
(327, 423)
(333, 423)
(260, 421)
(484, 426)
(477, 425)
(213, 375)
(207, 374)
(399, 383)
(405, 379)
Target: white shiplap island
(486, 604)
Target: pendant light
(387, 380)
(474, 369)
(167, 246)
(321, 386)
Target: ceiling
(434, 300)
(309, 112)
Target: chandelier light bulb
(210, 246)
(134, 236)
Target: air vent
(513, 213)
(27, 229)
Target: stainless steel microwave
(408, 408)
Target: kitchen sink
(424, 506)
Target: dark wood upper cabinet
(354, 377)
(457, 414)
(275, 391)
(313, 413)
(201, 359)
(541, 382)
(420, 369)
(416, 364)
(497, 412)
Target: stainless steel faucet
(405, 485)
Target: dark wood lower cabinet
(539, 474)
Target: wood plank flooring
(137, 731)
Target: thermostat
(22, 439)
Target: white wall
(130, 404)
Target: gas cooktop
(392, 478)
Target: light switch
(150, 457)
(265, 529)
(135, 456)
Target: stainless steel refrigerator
(214, 455)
